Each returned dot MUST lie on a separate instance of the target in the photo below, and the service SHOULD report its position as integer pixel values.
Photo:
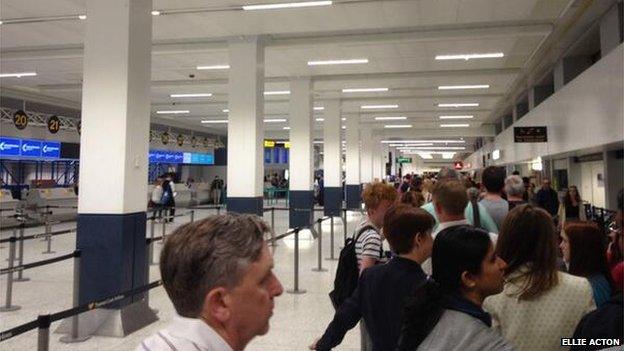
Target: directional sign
(50, 149)
(9, 147)
(31, 148)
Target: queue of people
(452, 279)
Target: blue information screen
(50, 149)
(9, 146)
(31, 148)
(175, 157)
(267, 155)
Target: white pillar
(353, 183)
(366, 170)
(114, 148)
(377, 156)
(245, 125)
(301, 153)
(332, 161)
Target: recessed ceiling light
(82, 17)
(155, 13)
(225, 110)
(320, 119)
(344, 127)
(363, 90)
(457, 87)
(277, 92)
(18, 75)
(337, 62)
(274, 120)
(457, 117)
(214, 121)
(390, 118)
(390, 126)
(213, 67)
(172, 112)
(467, 104)
(455, 125)
(469, 56)
(286, 5)
(1, 23)
(319, 108)
(343, 119)
(191, 95)
(448, 155)
(286, 128)
(372, 107)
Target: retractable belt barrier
(40, 235)
(36, 264)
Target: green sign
(404, 160)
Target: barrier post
(43, 333)
(296, 289)
(218, 209)
(164, 228)
(331, 242)
(273, 218)
(151, 245)
(192, 216)
(20, 260)
(344, 223)
(48, 230)
(320, 248)
(9, 289)
(73, 334)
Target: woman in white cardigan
(538, 305)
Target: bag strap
(476, 217)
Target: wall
(592, 187)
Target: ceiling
(399, 38)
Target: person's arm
(347, 316)
(367, 262)
(371, 248)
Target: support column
(377, 155)
(613, 177)
(332, 160)
(366, 170)
(353, 188)
(113, 153)
(245, 125)
(301, 193)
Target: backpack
(476, 216)
(347, 273)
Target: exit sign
(404, 160)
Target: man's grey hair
(214, 252)
(514, 186)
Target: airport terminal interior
(122, 121)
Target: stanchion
(164, 228)
(219, 209)
(9, 289)
(273, 218)
(14, 235)
(320, 249)
(43, 334)
(192, 216)
(48, 230)
(296, 289)
(344, 223)
(331, 242)
(73, 334)
(20, 260)
(151, 245)
(148, 262)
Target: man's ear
(468, 281)
(216, 306)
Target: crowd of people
(441, 267)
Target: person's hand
(313, 346)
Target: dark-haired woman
(584, 254)
(572, 206)
(445, 313)
(538, 305)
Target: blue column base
(301, 213)
(251, 205)
(333, 201)
(354, 196)
(113, 255)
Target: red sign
(459, 165)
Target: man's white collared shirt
(185, 334)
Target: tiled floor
(297, 319)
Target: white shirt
(185, 334)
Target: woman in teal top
(584, 253)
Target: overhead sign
(530, 134)
(164, 138)
(402, 159)
(458, 165)
(496, 154)
(54, 124)
(20, 119)
(50, 149)
(179, 157)
(269, 143)
(287, 144)
(9, 146)
(180, 139)
(31, 148)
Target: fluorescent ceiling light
(363, 90)
(286, 5)
(457, 117)
(18, 75)
(410, 145)
(319, 108)
(274, 120)
(286, 128)
(317, 142)
(448, 155)
(465, 104)
(425, 155)
(344, 127)
(456, 87)
(320, 119)
(423, 141)
(469, 56)
(225, 110)
(82, 17)
(191, 95)
(390, 126)
(435, 148)
(277, 92)
(337, 62)
(213, 67)
(372, 107)
(215, 121)
(172, 112)
(455, 125)
(155, 13)
(343, 119)
(389, 118)
(1, 22)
